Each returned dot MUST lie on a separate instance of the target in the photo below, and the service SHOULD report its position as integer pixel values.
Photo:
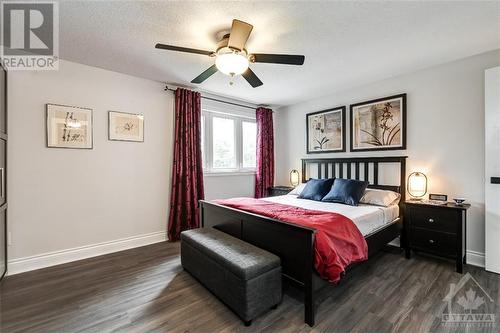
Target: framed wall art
(69, 127)
(125, 126)
(379, 124)
(325, 131)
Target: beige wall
(62, 199)
(445, 131)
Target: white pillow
(297, 190)
(380, 197)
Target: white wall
(492, 168)
(445, 113)
(62, 199)
(229, 186)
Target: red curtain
(187, 173)
(264, 176)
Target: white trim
(208, 118)
(218, 106)
(26, 264)
(230, 114)
(475, 258)
(229, 173)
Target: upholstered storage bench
(246, 278)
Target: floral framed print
(326, 131)
(379, 124)
(69, 127)
(125, 126)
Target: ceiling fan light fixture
(232, 63)
(232, 58)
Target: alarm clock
(438, 197)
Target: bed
(294, 244)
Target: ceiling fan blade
(182, 49)
(287, 59)
(205, 75)
(240, 31)
(251, 78)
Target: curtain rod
(217, 100)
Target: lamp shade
(294, 178)
(417, 185)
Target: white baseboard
(475, 258)
(472, 257)
(26, 264)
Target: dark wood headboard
(359, 168)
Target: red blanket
(338, 241)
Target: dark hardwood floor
(146, 290)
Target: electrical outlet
(9, 238)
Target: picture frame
(123, 126)
(325, 131)
(378, 124)
(69, 127)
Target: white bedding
(368, 218)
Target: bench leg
(248, 323)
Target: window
(223, 143)
(228, 143)
(203, 138)
(249, 135)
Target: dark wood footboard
(294, 244)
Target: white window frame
(208, 169)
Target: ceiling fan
(231, 57)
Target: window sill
(228, 173)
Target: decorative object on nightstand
(417, 185)
(459, 201)
(437, 229)
(437, 199)
(294, 178)
(278, 190)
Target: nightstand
(274, 191)
(436, 229)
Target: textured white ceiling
(345, 43)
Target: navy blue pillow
(316, 189)
(347, 191)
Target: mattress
(368, 218)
